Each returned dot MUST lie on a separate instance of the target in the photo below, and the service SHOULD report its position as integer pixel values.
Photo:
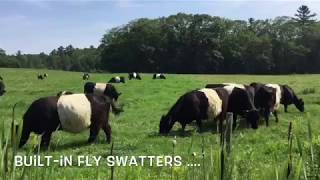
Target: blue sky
(34, 26)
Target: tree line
(200, 43)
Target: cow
(159, 76)
(101, 89)
(2, 88)
(210, 103)
(248, 95)
(289, 97)
(134, 75)
(42, 76)
(117, 79)
(85, 76)
(264, 100)
(72, 113)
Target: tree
(303, 17)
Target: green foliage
(199, 43)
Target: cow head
(111, 92)
(253, 118)
(165, 124)
(299, 104)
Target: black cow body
(289, 97)
(43, 117)
(117, 79)
(2, 87)
(101, 89)
(134, 75)
(265, 99)
(159, 76)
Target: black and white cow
(264, 100)
(72, 113)
(210, 104)
(42, 76)
(289, 97)
(134, 75)
(85, 76)
(2, 87)
(196, 105)
(159, 76)
(102, 89)
(117, 79)
(241, 102)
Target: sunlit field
(256, 154)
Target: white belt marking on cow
(215, 103)
(158, 75)
(230, 86)
(278, 94)
(74, 112)
(99, 88)
(117, 78)
(134, 75)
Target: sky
(35, 26)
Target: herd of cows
(75, 112)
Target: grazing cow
(2, 88)
(159, 76)
(102, 89)
(64, 93)
(210, 104)
(289, 97)
(196, 105)
(72, 113)
(264, 100)
(241, 102)
(117, 79)
(85, 76)
(134, 75)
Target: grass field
(135, 132)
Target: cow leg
(266, 116)
(234, 123)
(107, 130)
(25, 134)
(276, 115)
(45, 139)
(94, 131)
(199, 123)
(286, 108)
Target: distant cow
(85, 76)
(159, 76)
(117, 79)
(265, 100)
(101, 89)
(42, 76)
(134, 75)
(72, 113)
(210, 104)
(2, 88)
